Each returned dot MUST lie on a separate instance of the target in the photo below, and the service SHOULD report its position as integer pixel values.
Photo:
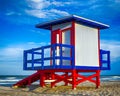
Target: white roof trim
(91, 20)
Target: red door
(62, 37)
(56, 38)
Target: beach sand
(84, 89)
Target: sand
(85, 89)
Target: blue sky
(18, 32)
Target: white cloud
(56, 3)
(38, 4)
(47, 13)
(59, 12)
(35, 45)
(37, 13)
(37, 1)
(14, 53)
(113, 46)
(11, 54)
(45, 8)
(10, 13)
(39, 32)
(117, 1)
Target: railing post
(24, 60)
(108, 59)
(42, 57)
(54, 55)
(101, 59)
(60, 55)
(32, 59)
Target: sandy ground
(84, 89)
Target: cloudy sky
(18, 32)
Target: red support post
(53, 78)
(42, 78)
(74, 83)
(66, 75)
(97, 78)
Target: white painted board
(86, 46)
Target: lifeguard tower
(74, 48)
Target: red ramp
(28, 80)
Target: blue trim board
(64, 67)
(78, 19)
